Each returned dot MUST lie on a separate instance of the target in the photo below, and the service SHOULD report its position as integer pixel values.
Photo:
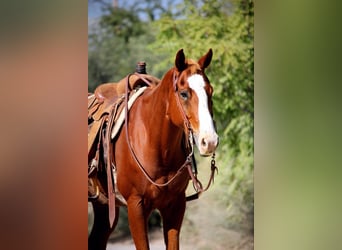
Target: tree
(116, 41)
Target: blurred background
(121, 33)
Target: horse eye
(184, 94)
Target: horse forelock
(193, 67)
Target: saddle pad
(121, 118)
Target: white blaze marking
(196, 82)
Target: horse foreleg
(172, 222)
(101, 230)
(137, 217)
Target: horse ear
(180, 60)
(206, 59)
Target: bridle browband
(189, 145)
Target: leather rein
(188, 161)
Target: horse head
(194, 94)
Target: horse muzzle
(207, 143)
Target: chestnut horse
(152, 149)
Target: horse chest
(164, 194)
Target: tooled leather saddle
(105, 106)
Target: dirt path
(156, 242)
(206, 226)
(234, 241)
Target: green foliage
(114, 49)
(122, 23)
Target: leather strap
(110, 177)
(188, 130)
(197, 184)
(187, 126)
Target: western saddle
(104, 108)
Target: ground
(206, 226)
(234, 241)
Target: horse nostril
(203, 142)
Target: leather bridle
(189, 134)
(189, 139)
